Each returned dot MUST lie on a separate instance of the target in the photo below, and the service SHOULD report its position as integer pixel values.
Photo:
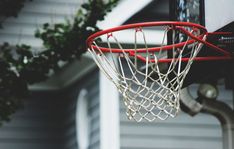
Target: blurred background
(76, 107)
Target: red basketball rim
(174, 25)
(147, 24)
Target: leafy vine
(63, 42)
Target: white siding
(38, 125)
(32, 16)
(94, 113)
(48, 119)
(91, 84)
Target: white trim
(153, 37)
(82, 120)
(218, 14)
(109, 114)
(122, 12)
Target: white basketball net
(150, 89)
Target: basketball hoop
(150, 77)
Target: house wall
(183, 132)
(48, 119)
(91, 84)
(38, 125)
(32, 16)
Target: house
(79, 108)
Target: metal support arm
(220, 110)
(226, 117)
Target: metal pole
(207, 103)
(228, 136)
(226, 117)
